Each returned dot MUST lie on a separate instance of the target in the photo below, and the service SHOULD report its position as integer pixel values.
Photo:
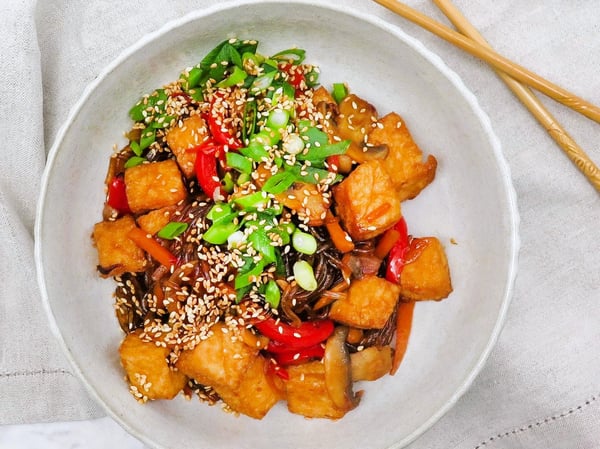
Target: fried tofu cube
(426, 275)
(154, 185)
(371, 363)
(117, 254)
(155, 220)
(255, 395)
(307, 394)
(356, 118)
(367, 202)
(187, 134)
(220, 361)
(404, 162)
(148, 370)
(368, 304)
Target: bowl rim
(417, 46)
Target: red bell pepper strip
(206, 168)
(396, 256)
(275, 369)
(333, 163)
(117, 196)
(301, 355)
(295, 76)
(309, 333)
(214, 118)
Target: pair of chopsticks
(515, 76)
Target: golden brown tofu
(356, 119)
(148, 371)
(371, 363)
(426, 274)
(220, 361)
(255, 395)
(154, 185)
(368, 304)
(155, 220)
(191, 132)
(404, 162)
(366, 201)
(117, 254)
(307, 394)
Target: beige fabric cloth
(541, 386)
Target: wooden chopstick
(556, 131)
(491, 57)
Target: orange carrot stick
(388, 240)
(404, 318)
(152, 247)
(339, 237)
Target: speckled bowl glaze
(471, 203)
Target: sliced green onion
(266, 138)
(252, 201)
(293, 144)
(172, 230)
(261, 242)
(220, 211)
(237, 239)
(237, 77)
(247, 277)
(318, 153)
(311, 134)
(135, 147)
(238, 161)
(227, 182)
(304, 275)
(156, 102)
(249, 120)
(312, 175)
(339, 92)
(282, 92)
(218, 233)
(279, 182)
(148, 138)
(133, 161)
(312, 78)
(277, 119)
(162, 121)
(304, 242)
(196, 95)
(294, 55)
(243, 178)
(192, 78)
(255, 151)
(282, 233)
(272, 294)
(262, 82)
(252, 58)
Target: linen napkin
(541, 385)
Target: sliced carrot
(339, 237)
(152, 247)
(388, 240)
(404, 318)
(377, 212)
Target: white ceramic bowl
(471, 201)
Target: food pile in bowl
(253, 226)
